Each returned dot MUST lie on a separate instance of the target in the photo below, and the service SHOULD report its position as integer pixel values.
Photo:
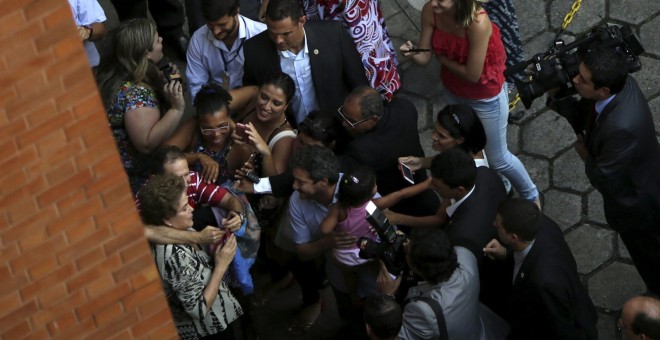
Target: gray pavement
(543, 142)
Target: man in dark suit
(472, 195)
(547, 300)
(381, 134)
(617, 141)
(319, 56)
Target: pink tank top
(456, 48)
(355, 224)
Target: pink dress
(456, 48)
(356, 225)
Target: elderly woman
(200, 302)
(143, 108)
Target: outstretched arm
(388, 201)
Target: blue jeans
(494, 113)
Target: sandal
(305, 319)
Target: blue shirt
(88, 12)
(207, 55)
(298, 67)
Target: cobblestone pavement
(544, 141)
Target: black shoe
(178, 43)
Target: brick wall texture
(74, 262)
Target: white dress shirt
(298, 67)
(209, 58)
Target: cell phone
(170, 75)
(407, 173)
(241, 131)
(250, 175)
(418, 50)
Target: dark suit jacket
(471, 226)
(336, 68)
(624, 156)
(548, 301)
(624, 161)
(394, 136)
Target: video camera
(557, 67)
(390, 248)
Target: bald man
(640, 318)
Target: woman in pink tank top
(470, 50)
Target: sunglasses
(340, 110)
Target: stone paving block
(563, 207)
(568, 172)
(589, 15)
(422, 80)
(591, 247)
(427, 144)
(547, 134)
(414, 15)
(633, 13)
(537, 169)
(607, 327)
(623, 251)
(389, 8)
(655, 110)
(649, 33)
(649, 76)
(422, 105)
(399, 25)
(513, 138)
(612, 286)
(534, 20)
(595, 212)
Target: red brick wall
(73, 259)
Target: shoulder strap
(437, 309)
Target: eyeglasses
(210, 132)
(343, 117)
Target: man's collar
(454, 206)
(289, 54)
(601, 104)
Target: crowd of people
(299, 144)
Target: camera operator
(447, 301)
(616, 139)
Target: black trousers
(644, 249)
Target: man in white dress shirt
(215, 53)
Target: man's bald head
(640, 318)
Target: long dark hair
(126, 60)
(461, 122)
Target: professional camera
(390, 248)
(557, 67)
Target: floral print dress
(130, 96)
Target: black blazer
(548, 301)
(396, 135)
(624, 160)
(335, 63)
(471, 226)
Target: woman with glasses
(201, 304)
(470, 50)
